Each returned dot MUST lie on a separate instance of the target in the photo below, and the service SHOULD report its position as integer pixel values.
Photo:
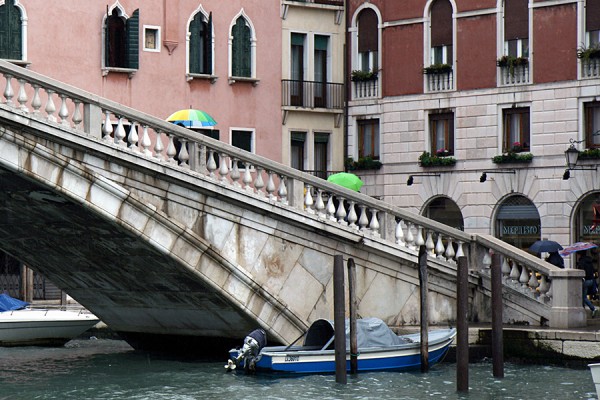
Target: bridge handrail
(286, 186)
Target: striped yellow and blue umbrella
(191, 118)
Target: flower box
(512, 157)
(587, 53)
(437, 69)
(362, 163)
(363, 76)
(590, 154)
(428, 160)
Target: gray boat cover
(370, 332)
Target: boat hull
(595, 369)
(401, 357)
(29, 327)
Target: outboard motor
(250, 351)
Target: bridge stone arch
(98, 216)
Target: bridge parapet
(557, 291)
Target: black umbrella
(545, 246)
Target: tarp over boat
(8, 303)
(370, 332)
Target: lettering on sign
(520, 230)
(587, 230)
(292, 358)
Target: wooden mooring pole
(424, 317)
(497, 339)
(462, 326)
(353, 312)
(339, 319)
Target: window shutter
(208, 46)
(133, 40)
(516, 19)
(441, 23)
(367, 31)
(4, 31)
(10, 32)
(592, 15)
(241, 55)
(195, 28)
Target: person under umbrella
(585, 263)
(555, 259)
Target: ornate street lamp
(572, 154)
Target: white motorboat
(595, 368)
(26, 326)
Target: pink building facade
(222, 57)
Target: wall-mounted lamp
(410, 180)
(572, 156)
(483, 176)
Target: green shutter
(133, 40)
(10, 32)
(195, 28)
(241, 52)
(208, 46)
(321, 137)
(321, 42)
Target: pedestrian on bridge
(585, 263)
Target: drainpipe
(346, 81)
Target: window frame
(21, 45)
(320, 138)
(524, 135)
(131, 42)
(157, 38)
(301, 138)
(203, 48)
(589, 127)
(447, 117)
(360, 130)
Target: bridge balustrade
(557, 291)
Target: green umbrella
(347, 180)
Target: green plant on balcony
(359, 75)
(511, 63)
(588, 53)
(513, 155)
(590, 154)
(427, 159)
(362, 163)
(436, 69)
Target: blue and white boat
(379, 349)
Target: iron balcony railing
(311, 94)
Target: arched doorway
(586, 224)
(445, 211)
(518, 222)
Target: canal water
(110, 369)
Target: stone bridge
(175, 239)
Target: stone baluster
(450, 251)
(223, 168)
(514, 272)
(247, 180)
(524, 277)
(8, 90)
(50, 107)
(235, 173)
(282, 191)
(400, 234)
(171, 150)
(419, 240)
(533, 282)
(505, 268)
(460, 251)
(410, 237)
(184, 155)
(429, 246)
(133, 137)
(107, 128)
(258, 181)
(374, 225)
(439, 248)
(341, 212)
(320, 204)
(36, 102)
(363, 220)
(146, 142)
(544, 287)
(352, 217)
(22, 97)
(211, 163)
(77, 117)
(487, 258)
(330, 210)
(120, 133)
(270, 188)
(63, 112)
(308, 200)
(159, 147)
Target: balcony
(365, 89)
(590, 68)
(310, 94)
(513, 70)
(339, 3)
